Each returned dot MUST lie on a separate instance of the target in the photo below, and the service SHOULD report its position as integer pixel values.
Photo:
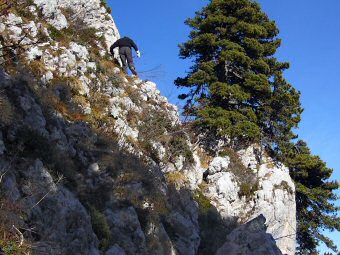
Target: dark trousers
(127, 60)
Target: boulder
(250, 239)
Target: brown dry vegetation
(9, 220)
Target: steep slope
(99, 163)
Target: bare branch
(21, 236)
(2, 175)
(60, 178)
(291, 235)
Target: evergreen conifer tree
(236, 89)
(314, 194)
(236, 86)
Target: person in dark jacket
(125, 45)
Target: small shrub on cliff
(284, 186)
(248, 190)
(11, 247)
(55, 34)
(151, 151)
(6, 109)
(163, 130)
(101, 228)
(37, 67)
(177, 146)
(242, 173)
(106, 6)
(203, 202)
(176, 178)
(106, 66)
(21, 9)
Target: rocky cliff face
(99, 163)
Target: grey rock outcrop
(115, 250)
(274, 196)
(250, 239)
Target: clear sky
(310, 30)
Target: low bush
(248, 190)
(245, 177)
(106, 6)
(176, 178)
(12, 247)
(178, 146)
(6, 109)
(203, 202)
(55, 34)
(101, 229)
(284, 186)
(37, 67)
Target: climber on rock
(125, 44)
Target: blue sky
(310, 30)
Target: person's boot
(125, 70)
(133, 70)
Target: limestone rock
(250, 239)
(115, 250)
(219, 164)
(71, 225)
(125, 226)
(275, 197)
(194, 173)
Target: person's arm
(134, 45)
(113, 46)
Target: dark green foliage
(77, 31)
(106, 6)
(153, 153)
(248, 190)
(13, 248)
(55, 34)
(177, 146)
(314, 194)
(236, 87)
(101, 228)
(202, 201)
(171, 137)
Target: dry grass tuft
(176, 178)
(37, 67)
